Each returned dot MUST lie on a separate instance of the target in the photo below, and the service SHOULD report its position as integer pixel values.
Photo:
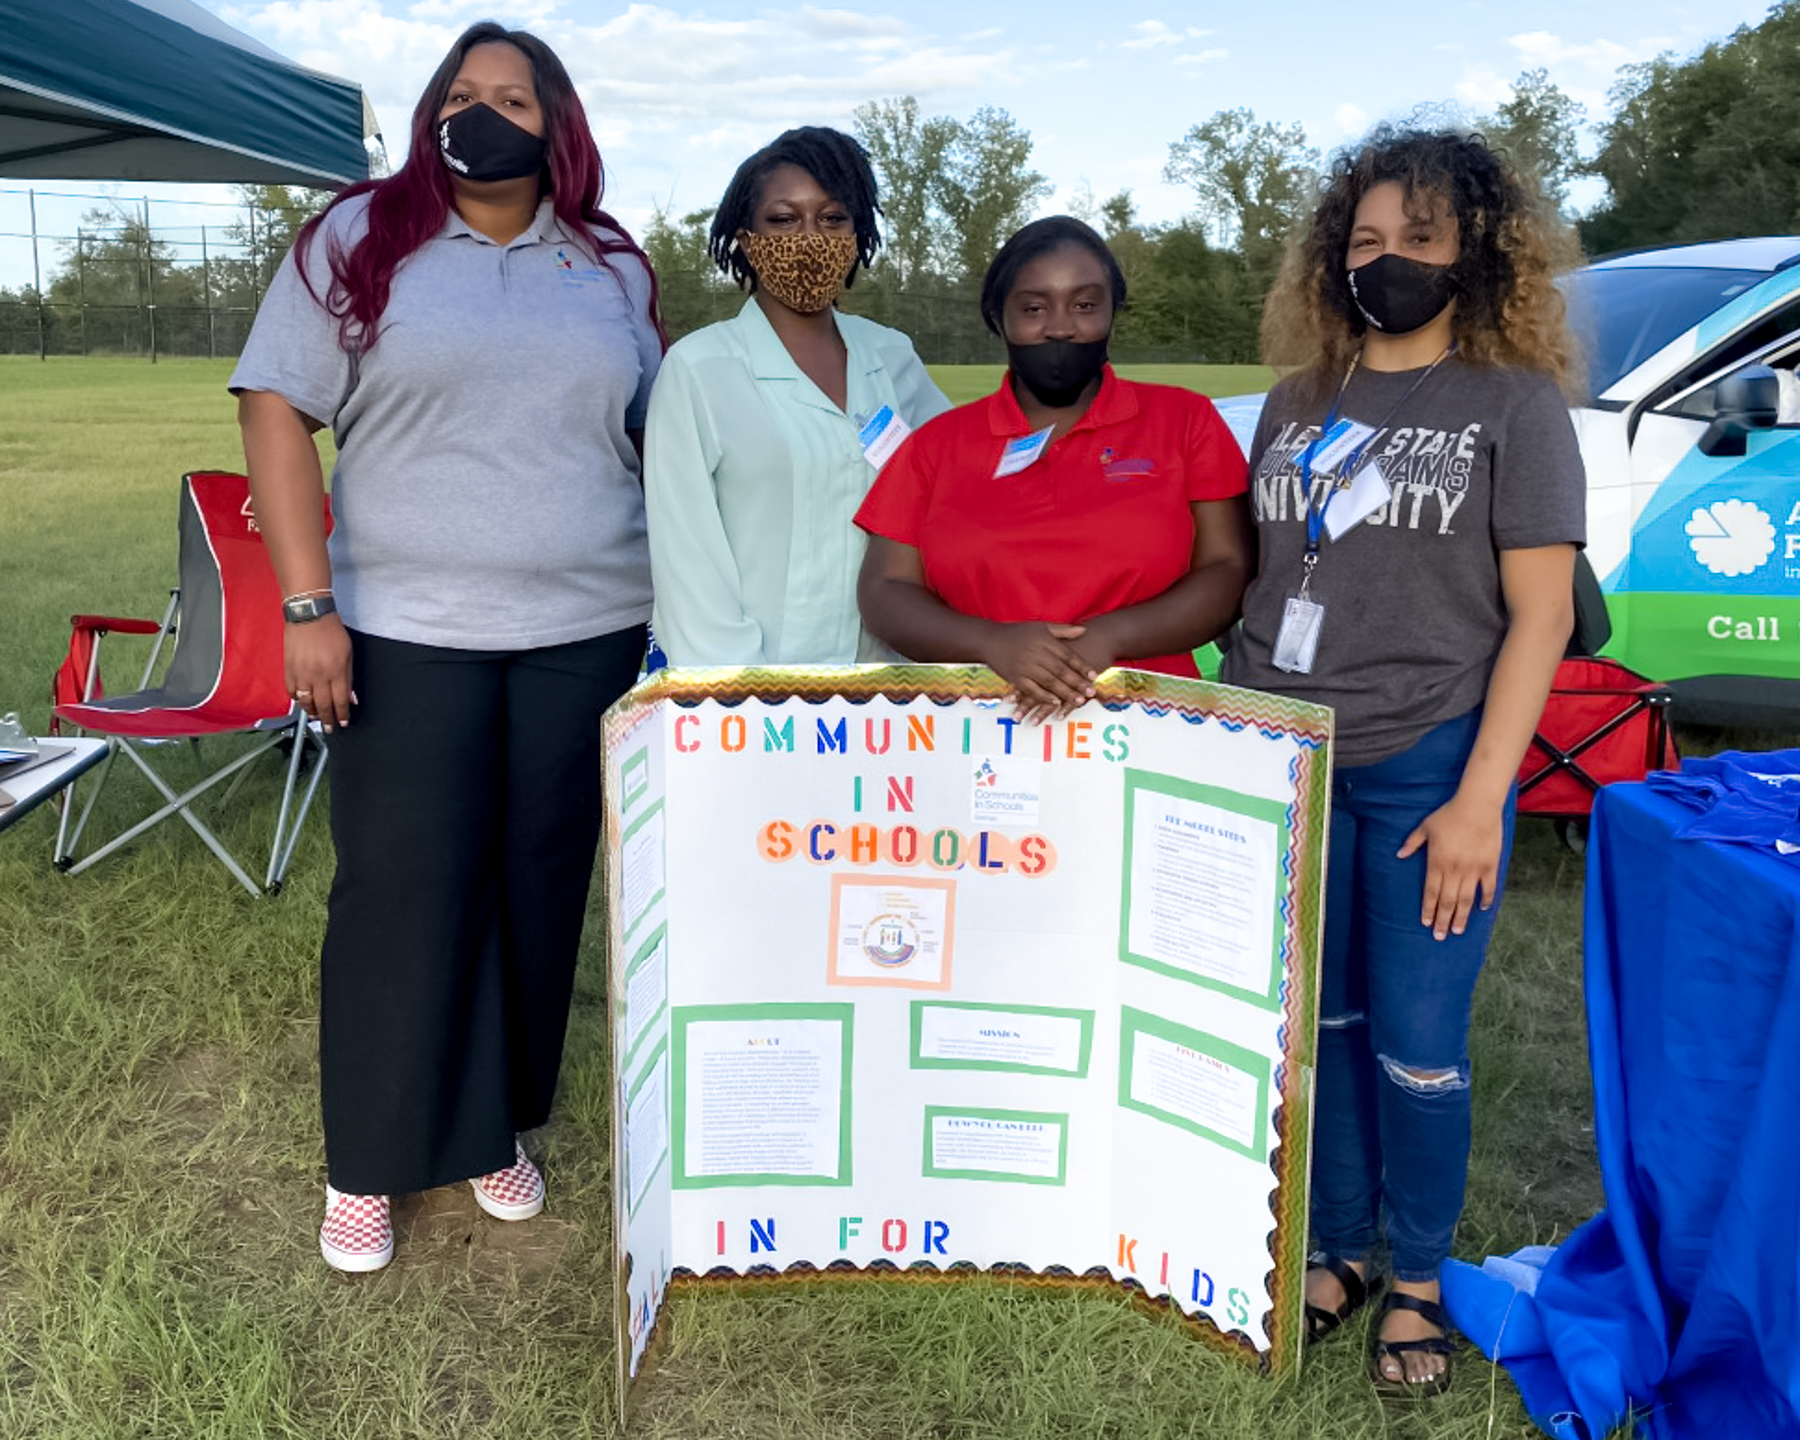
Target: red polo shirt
(1099, 521)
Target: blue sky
(679, 94)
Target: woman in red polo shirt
(1069, 522)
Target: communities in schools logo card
(1005, 789)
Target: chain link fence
(118, 283)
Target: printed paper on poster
(1012, 1038)
(646, 1127)
(997, 1145)
(1199, 1088)
(763, 1097)
(646, 992)
(642, 866)
(891, 930)
(1203, 886)
(1006, 789)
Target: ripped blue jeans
(1391, 1119)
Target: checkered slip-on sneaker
(515, 1193)
(357, 1234)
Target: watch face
(310, 607)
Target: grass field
(161, 1168)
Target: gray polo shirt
(486, 493)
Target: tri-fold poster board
(902, 986)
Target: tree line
(1698, 148)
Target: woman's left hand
(1462, 841)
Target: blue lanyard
(1316, 503)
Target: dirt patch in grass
(441, 1233)
(443, 1230)
(192, 1084)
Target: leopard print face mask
(804, 272)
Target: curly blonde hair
(1512, 245)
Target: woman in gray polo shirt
(481, 338)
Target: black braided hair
(834, 159)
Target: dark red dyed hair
(409, 207)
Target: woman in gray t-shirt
(1419, 500)
(481, 338)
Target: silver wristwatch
(304, 609)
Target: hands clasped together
(1051, 668)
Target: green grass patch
(963, 383)
(163, 1170)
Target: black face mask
(1398, 296)
(479, 143)
(1057, 371)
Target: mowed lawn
(161, 1168)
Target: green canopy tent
(162, 90)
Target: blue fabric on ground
(1681, 1301)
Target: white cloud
(1482, 87)
(1351, 118)
(1201, 57)
(1553, 52)
(850, 22)
(1582, 70)
(1152, 33)
(651, 70)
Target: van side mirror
(1746, 400)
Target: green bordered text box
(624, 846)
(1251, 807)
(637, 962)
(1135, 1022)
(932, 1171)
(683, 1016)
(656, 1058)
(923, 1062)
(634, 778)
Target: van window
(1625, 316)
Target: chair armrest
(114, 624)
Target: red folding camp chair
(1602, 723)
(225, 676)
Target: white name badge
(1297, 641)
(1368, 492)
(1338, 443)
(1022, 454)
(881, 437)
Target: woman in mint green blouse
(765, 431)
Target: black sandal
(1321, 1322)
(1433, 1314)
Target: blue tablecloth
(1679, 1300)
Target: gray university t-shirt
(1480, 459)
(486, 494)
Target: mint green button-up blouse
(751, 476)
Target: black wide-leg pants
(465, 807)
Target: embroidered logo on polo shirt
(565, 265)
(1116, 469)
